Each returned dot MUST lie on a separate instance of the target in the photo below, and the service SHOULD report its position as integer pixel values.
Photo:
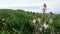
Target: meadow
(20, 22)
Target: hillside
(20, 22)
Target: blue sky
(31, 5)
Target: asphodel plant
(42, 24)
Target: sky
(31, 5)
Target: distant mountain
(33, 9)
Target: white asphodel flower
(44, 8)
(34, 20)
(46, 25)
(3, 19)
(50, 20)
(39, 20)
(40, 29)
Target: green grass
(20, 22)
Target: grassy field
(20, 22)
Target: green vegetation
(20, 22)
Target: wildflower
(3, 19)
(40, 28)
(46, 25)
(4, 24)
(50, 20)
(51, 13)
(44, 8)
(34, 21)
(39, 20)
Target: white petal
(45, 26)
(34, 21)
(50, 20)
(40, 29)
(3, 19)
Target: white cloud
(52, 5)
